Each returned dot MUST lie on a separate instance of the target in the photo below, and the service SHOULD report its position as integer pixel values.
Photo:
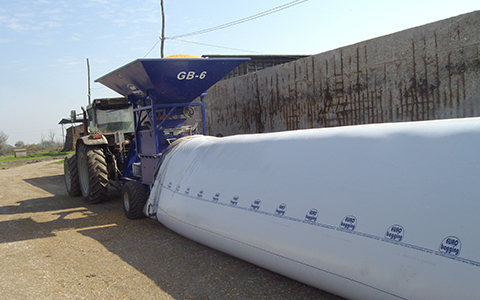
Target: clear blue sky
(44, 43)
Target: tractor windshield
(112, 120)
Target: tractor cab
(110, 115)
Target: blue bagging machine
(163, 93)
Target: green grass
(8, 158)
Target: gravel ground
(53, 246)
(16, 163)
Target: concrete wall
(423, 73)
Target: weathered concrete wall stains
(424, 73)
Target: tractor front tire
(134, 197)
(70, 171)
(93, 173)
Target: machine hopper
(173, 80)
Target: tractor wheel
(134, 198)
(70, 171)
(93, 174)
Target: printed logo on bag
(348, 223)
(311, 215)
(234, 200)
(256, 204)
(450, 245)
(395, 233)
(281, 209)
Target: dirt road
(53, 246)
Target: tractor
(99, 156)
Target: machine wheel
(134, 198)
(70, 171)
(93, 174)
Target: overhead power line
(240, 21)
(226, 25)
(216, 46)
(152, 48)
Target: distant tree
(19, 144)
(31, 147)
(48, 144)
(51, 135)
(3, 140)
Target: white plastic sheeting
(385, 211)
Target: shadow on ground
(182, 268)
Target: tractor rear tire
(134, 197)
(70, 171)
(93, 173)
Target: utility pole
(162, 38)
(88, 72)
